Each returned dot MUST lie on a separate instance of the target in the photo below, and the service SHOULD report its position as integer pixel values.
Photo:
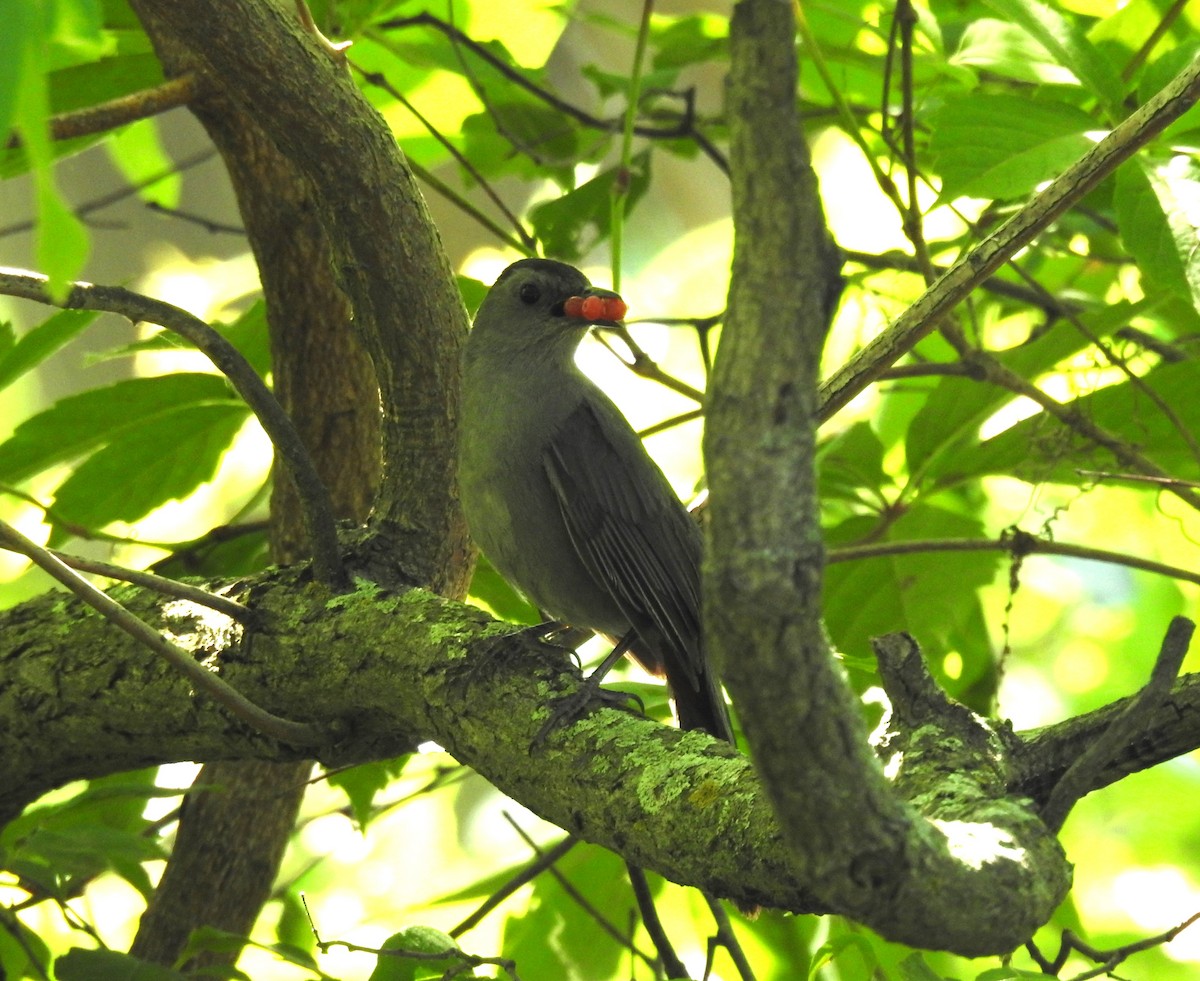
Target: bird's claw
(570, 708)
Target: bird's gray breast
(509, 501)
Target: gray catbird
(561, 495)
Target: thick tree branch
(120, 111)
(910, 872)
(1125, 728)
(387, 252)
(392, 670)
(219, 691)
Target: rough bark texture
(235, 824)
(862, 849)
(386, 669)
(387, 255)
(234, 831)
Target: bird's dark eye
(530, 294)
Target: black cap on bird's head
(537, 302)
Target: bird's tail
(702, 707)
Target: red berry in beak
(614, 308)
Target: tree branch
(317, 504)
(182, 661)
(908, 871)
(120, 111)
(978, 264)
(389, 670)
(386, 251)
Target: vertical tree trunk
(238, 817)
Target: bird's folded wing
(629, 528)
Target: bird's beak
(599, 307)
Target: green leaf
(80, 423)
(473, 292)
(122, 73)
(1009, 973)
(78, 964)
(417, 940)
(234, 555)
(1002, 146)
(575, 223)
(851, 465)
(688, 41)
(361, 783)
(41, 342)
(914, 968)
(1005, 49)
(945, 431)
(1069, 47)
(160, 460)
(75, 31)
(248, 333)
(523, 137)
(139, 155)
(8, 339)
(20, 23)
(580, 948)
(23, 954)
(1158, 211)
(493, 591)
(61, 846)
(1040, 449)
(928, 594)
(61, 241)
(833, 948)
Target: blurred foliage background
(118, 443)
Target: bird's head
(543, 306)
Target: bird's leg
(571, 707)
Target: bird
(562, 497)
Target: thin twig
(650, 920)
(128, 191)
(1072, 417)
(160, 584)
(531, 871)
(582, 901)
(210, 226)
(906, 19)
(528, 244)
(295, 733)
(314, 495)
(727, 938)
(1050, 305)
(1160, 31)
(1019, 543)
(978, 264)
(1111, 356)
(645, 366)
(685, 129)
(122, 110)
(620, 187)
(53, 517)
(1106, 960)
(671, 423)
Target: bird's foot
(570, 708)
(517, 643)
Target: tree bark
(234, 830)
(385, 668)
(860, 845)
